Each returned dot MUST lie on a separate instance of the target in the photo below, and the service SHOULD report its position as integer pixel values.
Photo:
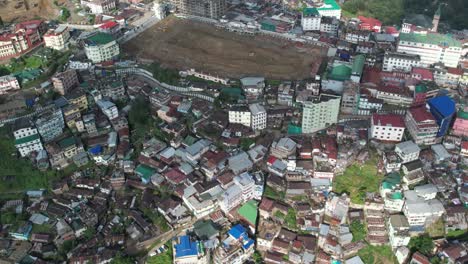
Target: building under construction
(203, 8)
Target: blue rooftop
(185, 247)
(248, 244)
(238, 231)
(444, 105)
(95, 150)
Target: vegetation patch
(377, 254)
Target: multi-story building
(50, 124)
(283, 148)
(240, 115)
(420, 212)
(310, 20)
(24, 37)
(231, 198)
(387, 127)
(101, 47)
(432, 48)
(65, 81)
(57, 38)
(27, 139)
(99, 6)
(258, 116)
(396, 61)
(8, 83)
(253, 86)
(407, 151)
(330, 8)
(78, 98)
(247, 184)
(398, 231)
(329, 25)
(443, 110)
(421, 125)
(357, 36)
(214, 9)
(285, 94)
(109, 109)
(460, 126)
(320, 113)
(391, 192)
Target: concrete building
(330, 8)
(421, 125)
(8, 83)
(310, 19)
(231, 198)
(50, 124)
(320, 113)
(21, 38)
(396, 61)
(387, 127)
(253, 87)
(285, 94)
(460, 126)
(258, 116)
(240, 115)
(188, 251)
(443, 110)
(57, 38)
(99, 6)
(65, 81)
(431, 47)
(283, 148)
(398, 231)
(407, 151)
(214, 9)
(101, 47)
(27, 138)
(329, 25)
(420, 212)
(108, 108)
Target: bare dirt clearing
(185, 44)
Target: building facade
(8, 83)
(387, 127)
(101, 47)
(421, 125)
(27, 139)
(214, 9)
(258, 116)
(65, 81)
(240, 115)
(432, 48)
(57, 38)
(310, 20)
(320, 113)
(99, 6)
(50, 124)
(395, 61)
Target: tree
(121, 259)
(423, 244)
(257, 258)
(1, 22)
(4, 71)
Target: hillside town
(106, 157)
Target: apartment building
(99, 6)
(421, 125)
(50, 124)
(24, 37)
(329, 25)
(330, 8)
(398, 231)
(310, 19)
(240, 115)
(320, 113)
(8, 83)
(396, 61)
(258, 116)
(65, 81)
(387, 127)
(101, 47)
(27, 139)
(108, 108)
(407, 151)
(57, 38)
(214, 9)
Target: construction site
(186, 44)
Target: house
(407, 151)
(398, 231)
(419, 258)
(283, 148)
(27, 138)
(8, 83)
(240, 163)
(188, 251)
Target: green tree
(1, 22)
(423, 244)
(358, 230)
(121, 259)
(257, 258)
(4, 71)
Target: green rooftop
(249, 211)
(391, 180)
(100, 39)
(462, 114)
(340, 73)
(205, 229)
(431, 38)
(294, 130)
(27, 139)
(329, 5)
(144, 171)
(310, 12)
(67, 142)
(421, 88)
(358, 64)
(397, 196)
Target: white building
(420, 212)
(247, 184)
(310, 20)
(101, 47)
(408, 151)
(387, 127)
(432, 47)
(109, 109)
(99, 6)
(396, 61)
(330, 9)
(320, 113)
(398, 231)
(240, 115)
(231, 198)
(27, 138)
(57, 38)
(258, 116)
(8, 83)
